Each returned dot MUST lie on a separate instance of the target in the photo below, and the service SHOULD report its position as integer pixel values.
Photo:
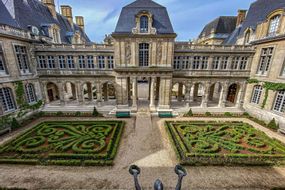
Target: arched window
(273, 25)
(7, 99)
(143, 55)
(247, 37)
(279, 105)
(256, 94)
(30, 93)
(144, 24)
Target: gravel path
(145, 143)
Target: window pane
(7, 99)
(144, 24)
(143, 55)
(257, 91)
(279, 105)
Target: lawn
(223, 143)
(65, 143)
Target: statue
(158, 185)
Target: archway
(215, 94)
(197, 93)
(69, 92)
(52, 92)
(178, 94)
(89, 91)
(108, 91)
(232, 95)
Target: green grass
(65, 143)
(223, 143)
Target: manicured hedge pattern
(223, 143)
(65, 143)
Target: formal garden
(223, 143)
(80, 143)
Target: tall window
(176, 64)
(90, 61)
(7, 99)
(30, 93)
(101, 62)
(110, 62)
(144, 24)
(143, 55)
(42, 62)
(257, 91)
(265, 60)
(235, 63)
(62, 62)
(196, 62)
(224, 63)
(81, 61)
(22, 58)
(279, 105)
(70, 62)
(243, 63)
(51, 62)
(273, 25)
(2, 63)
(216, 63)
(204, 64)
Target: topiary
(95, 112)
(272, 124)
(78, 113)
(15, 124)
(208, 114)
(228, 114)
(189, 113)
(245, 114)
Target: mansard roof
(161, 20)
(221, 25)
(24, 13)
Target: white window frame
(3, 69)
(30, 93)
(70, 62)
(51, 62)
(62, 62)
(256, 94)
(81, 62)
(22, 59)
(7, 100)
(144, 54)
(110, 62)
(243, 63)
(279, 104)
(265, 60)
(274, 23)
(101, 62)
(90, 62)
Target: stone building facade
(65, 68)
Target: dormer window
(273, 25)
(247, 37)
(54, 33)
(144, 24)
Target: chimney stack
(51, 6)
(241, 17)
(66, 11)
(80, 21)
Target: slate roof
(221, 25)
(23, 13)
(161, 20)
(258, 12)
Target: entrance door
(50, 95)
(232, 93)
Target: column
(195, 91)
(188, 94)
(122, 92)
(205, 97)
(134, 93)
(240, 97)
(45, 93)
(180, 91)
(165, 93)
(61, 93)
(152, 95)
(79, 92)
(223, 95)
(99, 93)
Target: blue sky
(188, 17)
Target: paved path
(145, 143)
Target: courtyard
(144, 142)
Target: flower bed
(223, 143)
(65, 143)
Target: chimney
(51, 6)
(241, 17)
(80, 21)
(66, 11)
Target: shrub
(272, 124)
(95, 112)
(78, 113)
(208, 114)
(59, 113)
(15, 124)
(189, 113)
(228, 114)
(245, 114)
